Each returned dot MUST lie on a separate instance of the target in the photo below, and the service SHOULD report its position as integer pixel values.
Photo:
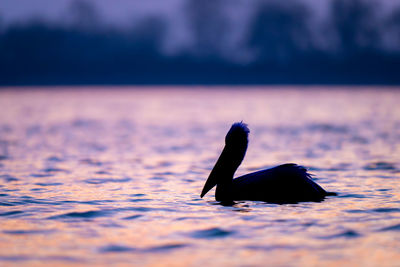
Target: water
(101, 176)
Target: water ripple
(48, 184)
(386, 166)
(107, 180)
(113, 248)
(165, 248)
(8, 178)
(395, 227)
(83, 215)
(344, 234)
(18, 258)
(27, 232)
(116, 249)
(211, 233)
(133, 217)
(10, 213)
(54, 170)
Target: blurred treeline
(286, 42)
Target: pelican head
(236, 141)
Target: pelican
(287, 183)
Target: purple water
(112, 176)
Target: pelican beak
(210, 183)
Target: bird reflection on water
(287, 183)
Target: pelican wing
(288, 183)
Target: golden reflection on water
(101, 176)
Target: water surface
(113, 176)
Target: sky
(116, 11)
(125, 12)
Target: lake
(112, 176)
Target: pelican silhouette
(287, 183)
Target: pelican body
(287, 183)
